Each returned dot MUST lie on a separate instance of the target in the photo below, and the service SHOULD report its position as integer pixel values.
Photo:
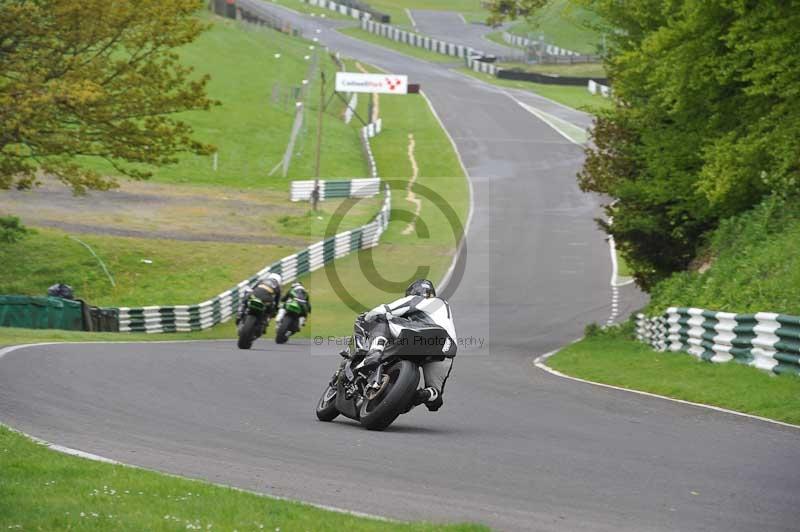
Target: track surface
(451, 26)
(513, 447)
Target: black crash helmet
(421, 287)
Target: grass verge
(571, 96)
(44, 490)
(613, 357)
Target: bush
(11, 230)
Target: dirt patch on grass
(151, 210)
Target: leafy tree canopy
(97, 79)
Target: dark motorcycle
(376, 392)
(254, 315)
(288, 320)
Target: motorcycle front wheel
(397, 391)
(326, 407)
(285, 325)
(247, 332)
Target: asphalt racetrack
(513, 447)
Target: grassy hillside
(564, 24)
(751, 264)
(248, 67)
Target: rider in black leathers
(420, 297)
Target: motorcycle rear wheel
(395, 397)
(247, 332)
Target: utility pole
(315, 193)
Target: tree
(95, 79)
(705, 123)
(502, 10)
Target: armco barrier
(340, 188)
(765, 340)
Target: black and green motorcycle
(292, 315)
(254, 313)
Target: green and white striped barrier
(340, 188)
(339, 8)
(765, 340)
(186, 318)
(419, 41)
(524, 42)
(474, 63)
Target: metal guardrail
(765, 340)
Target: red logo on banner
(393, 84)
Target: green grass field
(251, 128)
(564, 24)
(44, 490)
(614, 357)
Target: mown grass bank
(564, 24)
(44, 490)
(256, 75)
(750, 264)
(614, 357)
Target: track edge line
(539, 362)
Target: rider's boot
(431, 397)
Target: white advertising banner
(381, 83)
